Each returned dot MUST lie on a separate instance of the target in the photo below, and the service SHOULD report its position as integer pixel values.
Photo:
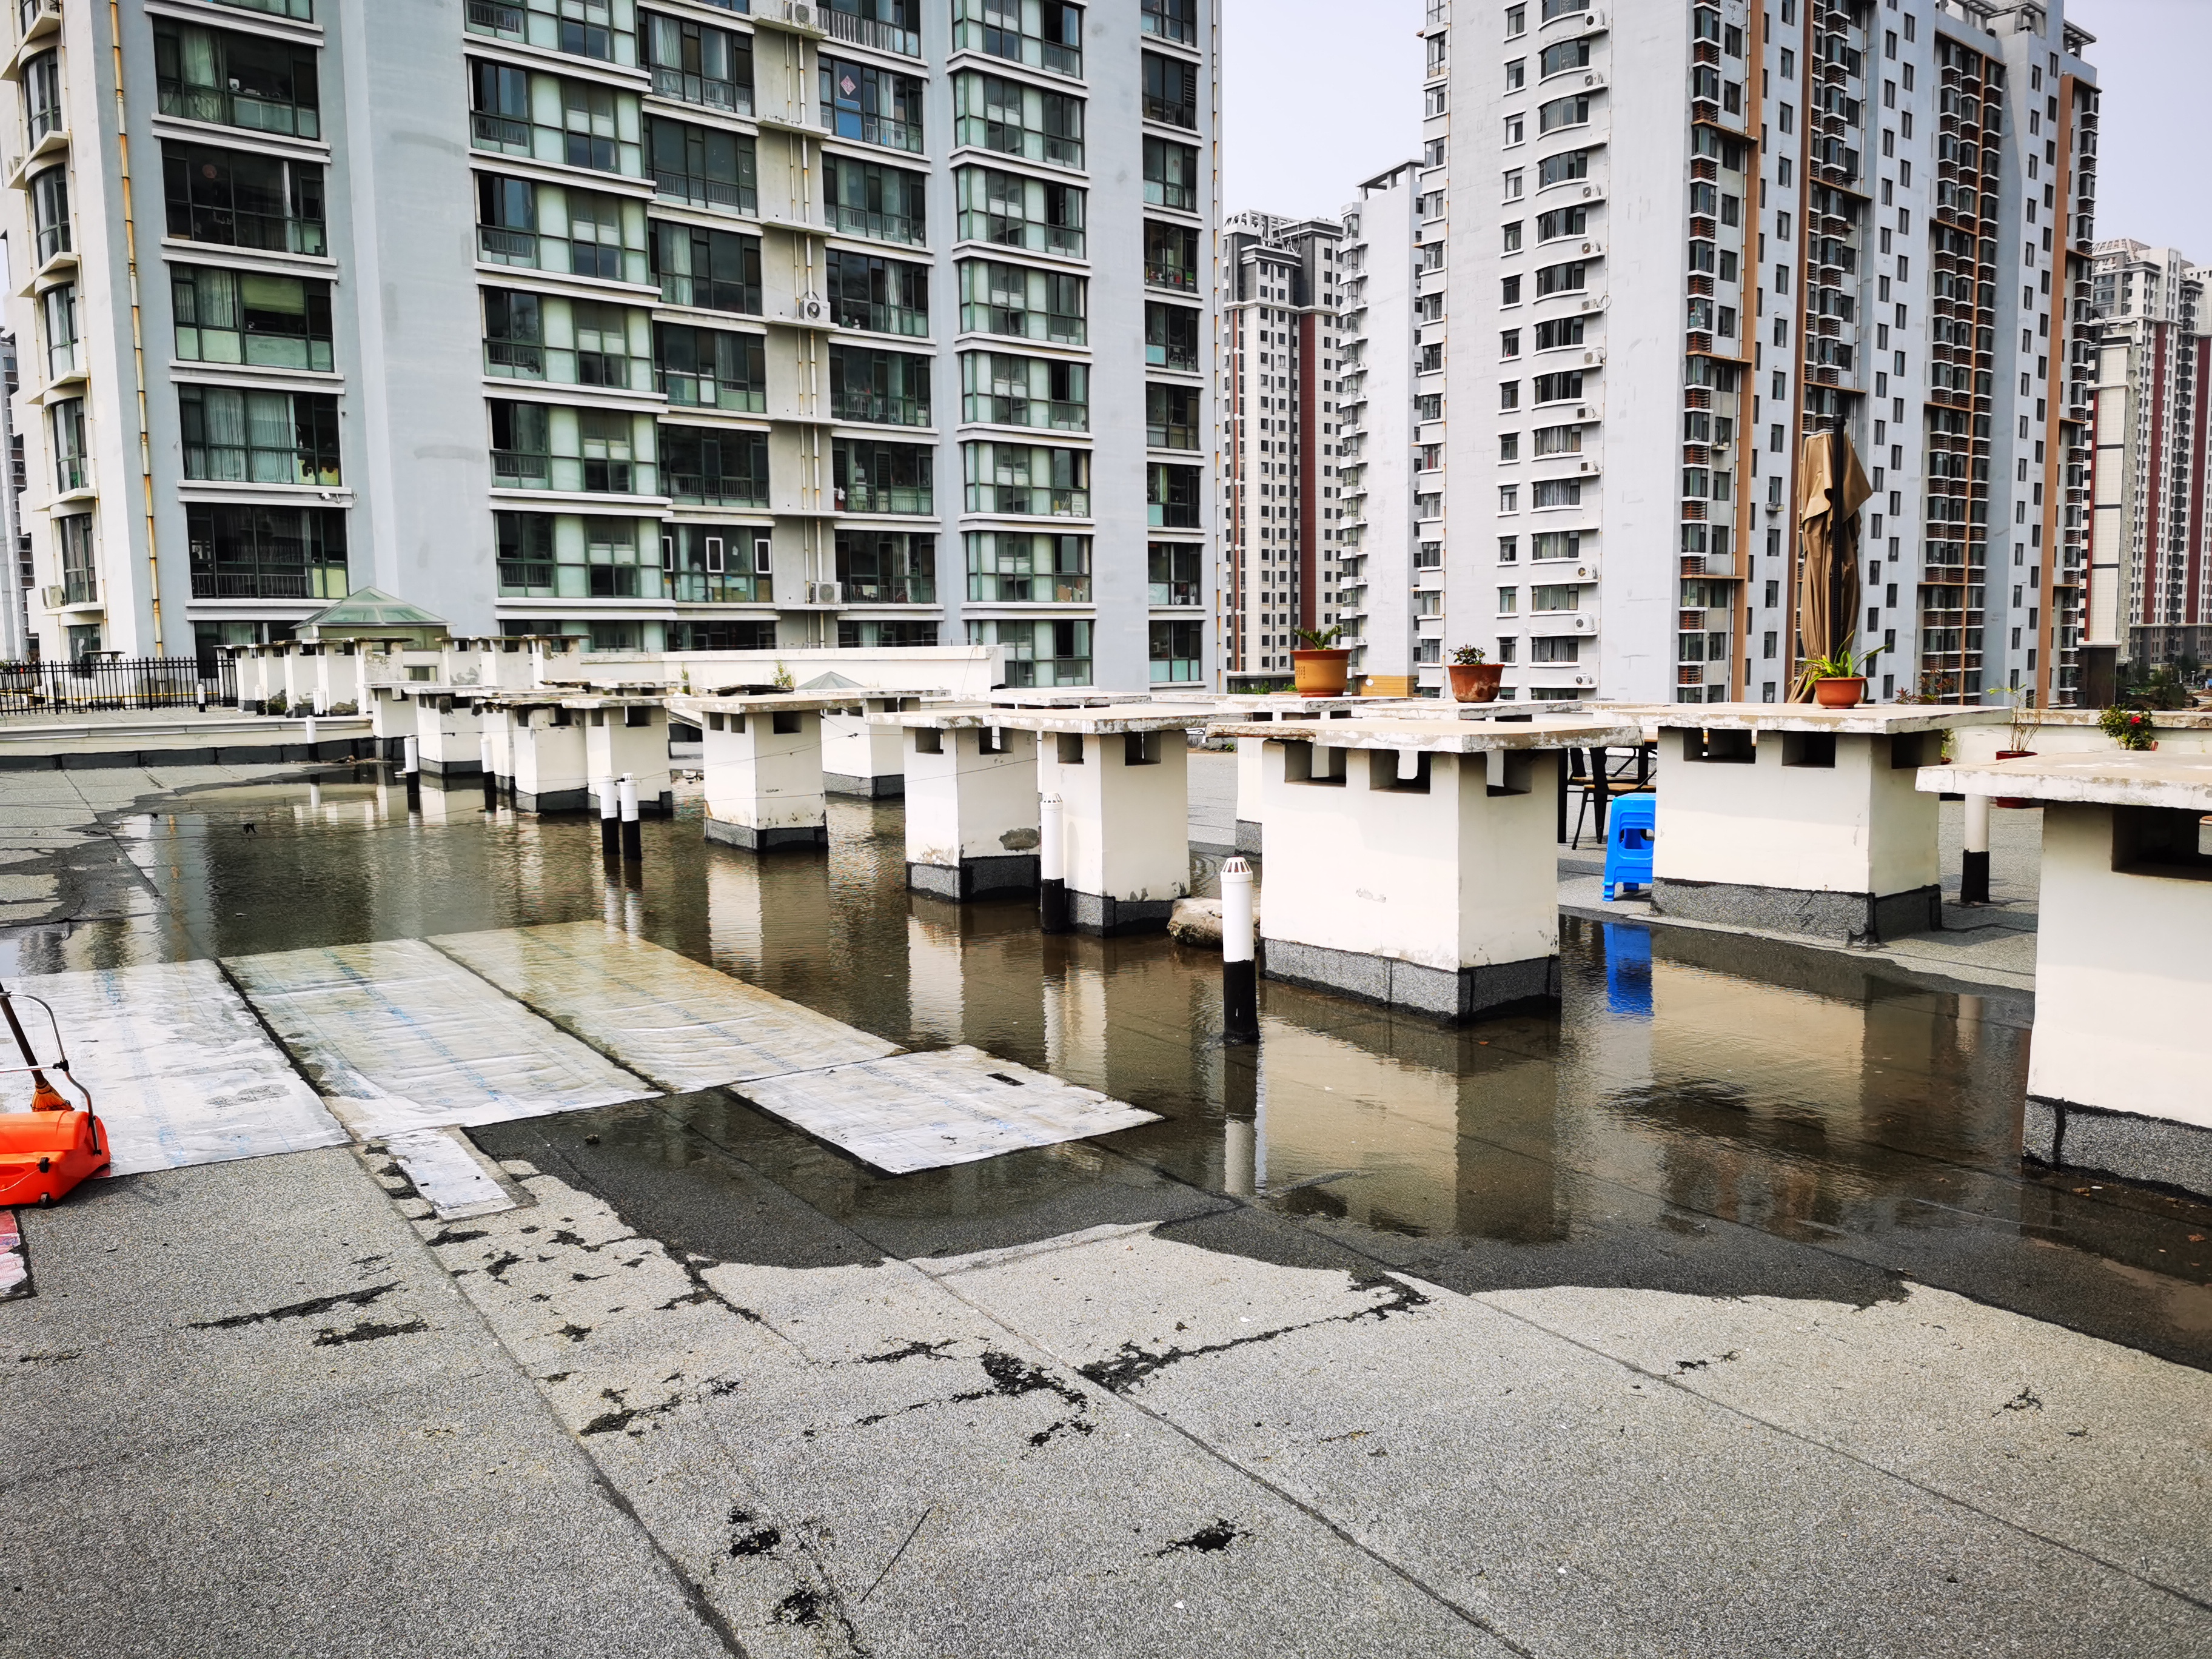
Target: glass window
(1026, 304)
(240, 317)
(66, 427)
(873, 477)
(1001, 388)
(875, 105)
(1023, 566)
(869, 384)
(714, 466)
(525, 543)
(1170, 337)
(1172, 495)
(237, 436)
(866, 198)
(235, 80)
(74, 544)
(1172, 418)
(42, 96)
(715, 564)
(58, 321)
(1174, 570)
(1171, 92)
(1170, 255)
(1040, 653)
(887, 567)
(1015, 118)
(1015, 210)
(886, 296)
(1027, 479)
(710, 368)
(703, 167)
(709, 270)
(1170, 174)
(1171, 20)
(521, 446)
(1178, 650)
(699, 63)
(50, 212)
(242, 200)
(246, 551)
(1042, 33)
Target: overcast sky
(1314, 101)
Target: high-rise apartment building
(2151, 587)
(1391, 581)
(1672, 239)
(1281, 518)
(689, 324)
(16, 573)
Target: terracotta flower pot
(2011, 800)
(1320, 673)
(1475, 682)
(1840, 693)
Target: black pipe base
(633, 840)
(1051, 906)
(611, 836)
(1973, 879)
(1240, 1002)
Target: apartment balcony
(865, 32)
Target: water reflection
(1706, 1113)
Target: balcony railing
(880, 409)
(513, 469)
(1015, 410)
(507, 248)
(908, 227)
(863, 497)
(699, 191)
(496, 17)
(516, 358)
(889, 590)
(867, 32)
(725, 96)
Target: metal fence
(105, 682)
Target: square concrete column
(499, 721)
(1800, 819)
(859, 757)
(2119, 1076)
(628, 736)
(1414, 862)
(549, 771)
(1123, 777)
(971, 804)
(448, 734)
(761, 757)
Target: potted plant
(1317, 667)
(1472, 679)
(2130, 728)
(2026, 720)
(1839, 680)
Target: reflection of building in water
(1429, 1130)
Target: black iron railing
(102, 681)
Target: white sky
(1318, 94)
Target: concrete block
(876, 789)
(802, 837)
(1010, 873)
(1469, 993)
(1248, 836)
(554, 800)
(1111, 918)
(2127, 1144)
(1854, 918)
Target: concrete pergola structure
(972, 799)
(760, 755)
(1800, 819)
(554, 745)
(2119, 1077)
(1411, 862)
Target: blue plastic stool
(1631, 825)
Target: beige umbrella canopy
(1831, 489)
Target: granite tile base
(883, 789)
(556, 800)
(800, 837)
(2097, 1141)
(1469, 993)
(1248, 836)
(1853, 918)
(1111, 918)
(1013, 872)
(452, 769)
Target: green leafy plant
(338, 709)
(1466, 656)
(784, 680)
(2130, 728)
(1320, 639)
(2026, 719)
(1844, 663)
(278, 704)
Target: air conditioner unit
(1585, 679)
(56, 597)
(1594, 79)
(1595, 354)
(811, 308)
(825, 593)
(1585, 412)
(799, 12)
(1583, 624)
(1585, 573)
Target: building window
(1014, 210)
(57, 321)
(1564, 596)
(867, 198)
(240, 317)
(1171, 92)
(886, 296)
(49, 214)
(1052, 40)
(699, 63)
(1559, 388)
(239, 200)
(713, 465)
(1014, 118)
(710, 368)
(73, 547)
(1042, 653)
(1555, 647)
(890, 388)
(1568, 278)
(525, 554)
(1171, 20)
(237, 436)
(875, 105)
(1556, 544)
(251, 552)
(1178, 650)
(1562, 168)
(702, 167)
(1171, 416)
(1001, 389)
(715, 564)
(42, 96)
(709, 270)
(1558, 492)
(873, 477)
(1022, 565)
(1170, 174)
(1022, 303)
(1559, 441)
(1170, 337)
(1170, 255)
(878, 567)
(1174, 573)
(231, 80)
(521, 446)
(1028, 478)
(1172, 496)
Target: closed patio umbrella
(1831, 489)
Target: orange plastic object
(45, 1154)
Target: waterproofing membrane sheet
(445, 1172)
(680, 1023)
(181, 1071)
(925, 1111)
(398, 1036)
